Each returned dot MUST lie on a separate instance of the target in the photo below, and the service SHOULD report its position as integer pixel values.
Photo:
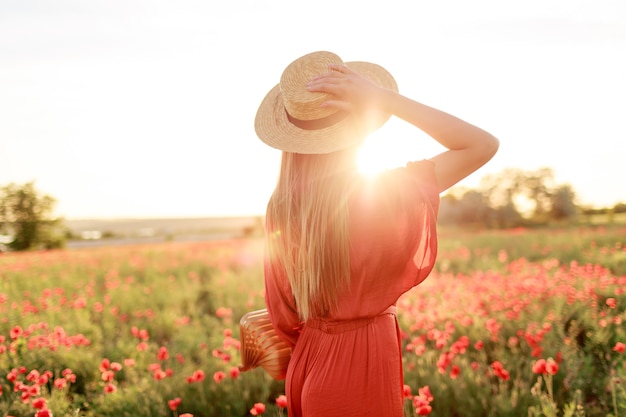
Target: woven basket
(261, 346)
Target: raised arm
(469, 147)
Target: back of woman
(341, 248)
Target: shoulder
(414, 183)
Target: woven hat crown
(298, 101)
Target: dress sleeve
(422, 176)
(393, 232)
(280, 303)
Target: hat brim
(274, 128)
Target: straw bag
(261, 346)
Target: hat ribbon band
(317, 124)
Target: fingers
(336, 82)
(338, 104)
(330, 82)
(330, 85)
(333, 87)
(330, 77)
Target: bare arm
(469, 147)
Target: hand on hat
(351, 91)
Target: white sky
(123, 108)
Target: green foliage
(547, 407)
(25, 214)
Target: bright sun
(372, 160)
(393, 146)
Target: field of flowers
(515, 323)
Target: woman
(341, 249)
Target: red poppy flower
(33, 390)
(223, 312)
(173, 404)
(25, 397)
(281, 401)
(234, 372)
(258, 409)
(163, 354)
(32, 375)
(12, 375)
(39, 403)
(16, 332)
(218, 376)
(198, 375)
(159, 375)
(425, 392)
(551, 367)
(60, 383)
(108, 376)
(423, 410)
(104, 365)
(499, 371)
(539, 367)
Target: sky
(133, 108)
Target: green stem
(548, 379)
(614, 396)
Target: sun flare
(377, 155)
(393, 146)
(371, 161)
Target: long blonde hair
(307, 228)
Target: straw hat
(290, 117)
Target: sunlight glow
(376, 155)
(393, 146)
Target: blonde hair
(307, 228)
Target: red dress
(349, 363)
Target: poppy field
(510, 323)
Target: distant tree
(538, 187)
(467, 207)
(527, 191)
(449, 209)
(504, 217)
(533, 194)
(502, 189)
(619, 208)
(26, 216)
(563, 204)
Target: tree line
(511, 198)
(514, 198)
